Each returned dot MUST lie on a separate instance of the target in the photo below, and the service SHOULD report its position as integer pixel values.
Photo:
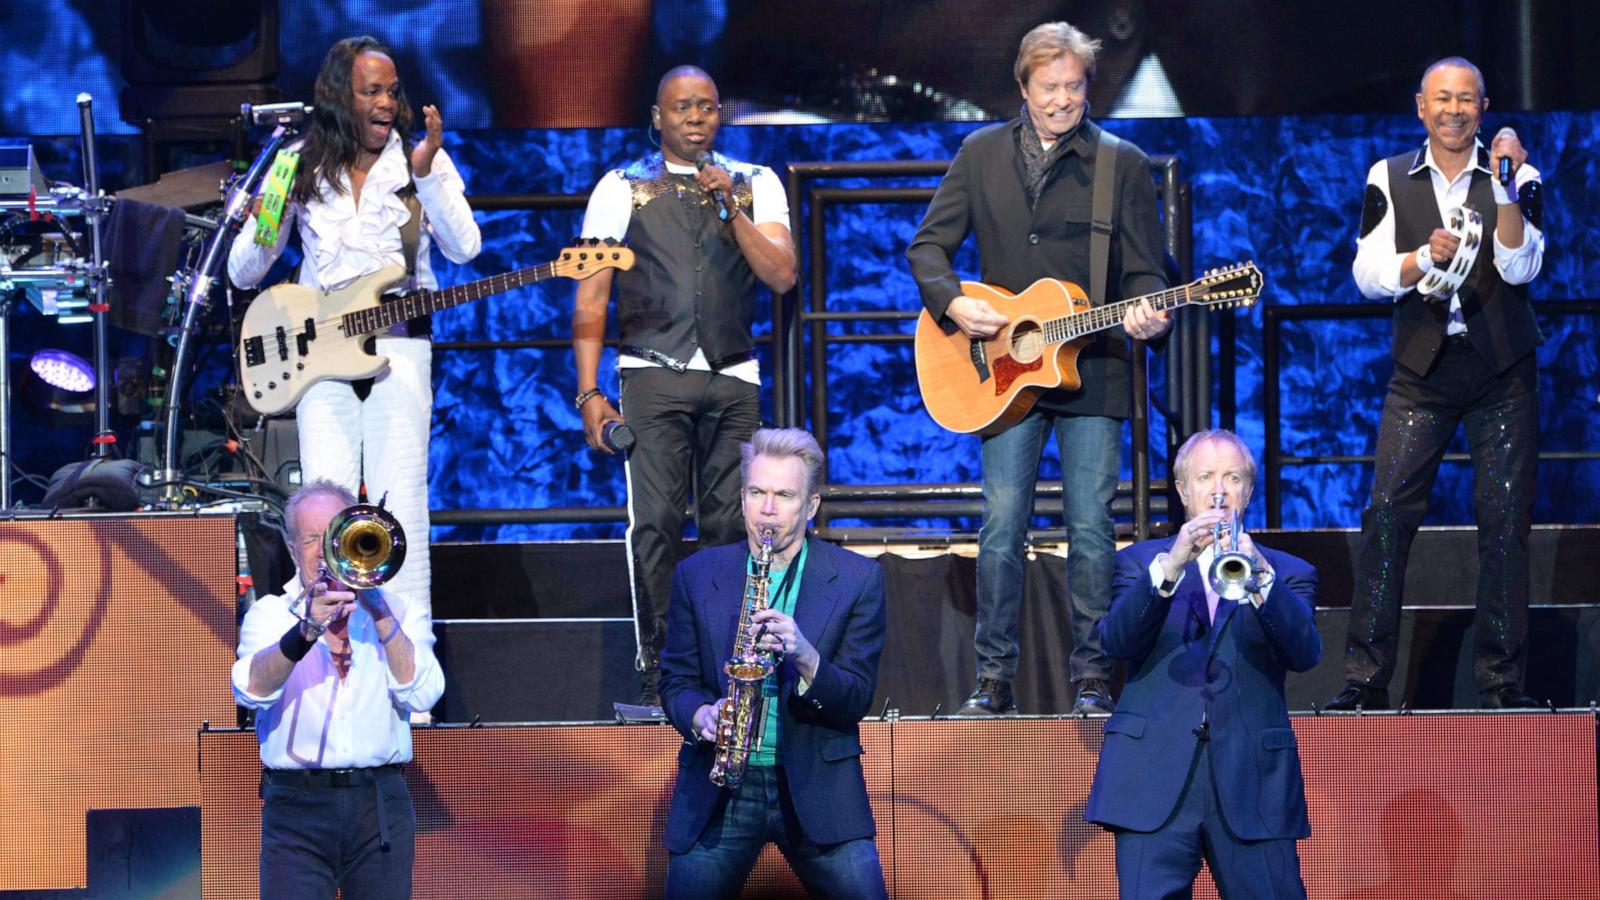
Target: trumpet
(362, 549)
(1233, 573)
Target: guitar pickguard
(1007, 370)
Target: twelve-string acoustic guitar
(985, 386)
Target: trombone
(362, 548)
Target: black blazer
(983, 194)
(840, 610)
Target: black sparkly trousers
(1500, 412)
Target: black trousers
(688, 427)
(347, 829)
(1420, 416)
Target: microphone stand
(94, 211)
(197, 299)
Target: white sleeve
(1521, 265)
(427, 681)
(1377, 265)
(610, 208)
(769, 201)
(443, 195)
(1158, 575)
(263, 626)
(248, 262)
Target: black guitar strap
(1100, 225)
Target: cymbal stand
(197, 299)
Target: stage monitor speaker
(199, 41)
(117, 634)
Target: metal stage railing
(1275, 459)
(1188, 355)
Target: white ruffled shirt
(343, 241)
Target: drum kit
(58, 254)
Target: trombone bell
(364, 546)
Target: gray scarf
(1036, 160)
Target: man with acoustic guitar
(1026, 189)
(358, 183)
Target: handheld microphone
(618, 436)
(1505, 162)
(258, 114)
(701, 160)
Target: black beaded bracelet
(294, 644)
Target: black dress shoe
(1508, 696)
(1094, 698)
(1359, 696)
(992, 698)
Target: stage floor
(1479, 805)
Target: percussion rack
(77, 274)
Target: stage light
(63, 370)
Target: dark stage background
(1283, 190)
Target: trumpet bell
(1230, 576)
(364, 546)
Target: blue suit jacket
(1184, 672)
(840, 610)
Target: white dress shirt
(611, 210)
(343, 241)
(1377, 265)
(316, 720)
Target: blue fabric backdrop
(1284, 192)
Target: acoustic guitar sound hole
(1027, 341)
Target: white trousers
(385, 439)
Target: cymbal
(184, 189)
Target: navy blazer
(840, 610)
(1185, 671)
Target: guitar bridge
(254, 353)
(980, 359)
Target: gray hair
(1447, 63)
(1180, 462)
(1049, 42)
(320, 487)
(780, 443)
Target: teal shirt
(784, 591)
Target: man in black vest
(1466, 359)
(1025, 188)
(704, 229)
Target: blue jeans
(1090, 460)
(757, 812)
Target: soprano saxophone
(739, 718)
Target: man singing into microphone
(1468, 358)
(704, 229)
